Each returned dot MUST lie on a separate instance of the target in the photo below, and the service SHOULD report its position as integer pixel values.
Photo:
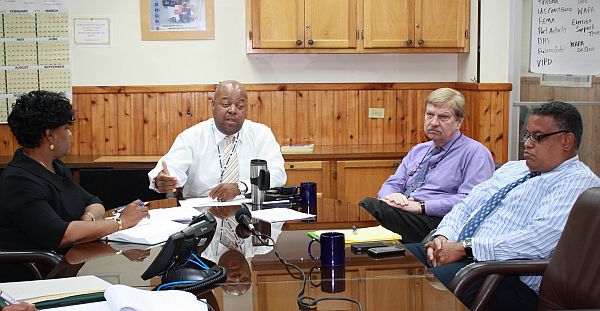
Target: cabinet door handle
(409, 42)
(421, 42)
(298, 42)
(311, 42)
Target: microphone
(244, 217)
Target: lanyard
(228, 156)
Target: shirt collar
(564, 165)
(28, 164)
(445, 147)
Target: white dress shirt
(528, 222)
(194, 157)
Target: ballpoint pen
(7, 298)
(121, 208)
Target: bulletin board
(35, 51)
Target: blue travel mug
(308, 196)
(332, 249)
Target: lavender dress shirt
(462, 164)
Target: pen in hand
(121, 208)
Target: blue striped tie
(421, 173)
(473, 223)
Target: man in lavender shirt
(434, 175)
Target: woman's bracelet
(91, 216)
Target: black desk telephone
(179, 260)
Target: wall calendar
(34, 50)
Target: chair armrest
(478, 270)
(43, 257)
(493, 273)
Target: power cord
(304, 302)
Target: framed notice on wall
(177, 19)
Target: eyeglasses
(536, 138)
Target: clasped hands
(442, 251)
(165, 183)
(399, 200)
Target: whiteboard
(565, 37)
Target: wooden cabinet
(415, 23)
(388, 23)
(300, 24)
(346, 181)
(441, 23)
(357, 26)
(317, 171)
(357, 180)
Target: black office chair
(27, 265)
(570, 277)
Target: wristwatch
(242, 187)
(423, 211)
(468, 246)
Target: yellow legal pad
(377, 233)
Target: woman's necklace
(38, 161)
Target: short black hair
(567, 117)
(35, 112)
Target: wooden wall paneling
(328, 119)
(202, 108)
(484, 118)
(277, 116)
(340, 115)
(124, 124)
(84, 126)
(413, 130)
(390, 122)
(468, 128)
(302, 117)
(265, 108)
(150, 102)
(363, 119)
(400, 116)
(163, 115)
(110, 125)
(75, 127)
(98, 116)
(7, 141)
(289, 117)
(352, 117)
(253, 112)
(311, 105)
(137, 113)
(498, 126)
(375, 126)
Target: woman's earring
(51, 146)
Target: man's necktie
(473, 223)
(228, 236)
(421, 173)
(230, 160)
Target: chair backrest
(572, 278)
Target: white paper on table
(147, 232)
(199, 202)
(180, 213)
(280, 214)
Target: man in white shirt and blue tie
(212, 158)
(520, 212)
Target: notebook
(377, 233)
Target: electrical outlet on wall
(376, 113)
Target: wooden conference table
(261, 282)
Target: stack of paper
(298, 148)
(280, 214)
(48, 293)
(148, 232)
(179, 214)
(200, 202)
(378, 233)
